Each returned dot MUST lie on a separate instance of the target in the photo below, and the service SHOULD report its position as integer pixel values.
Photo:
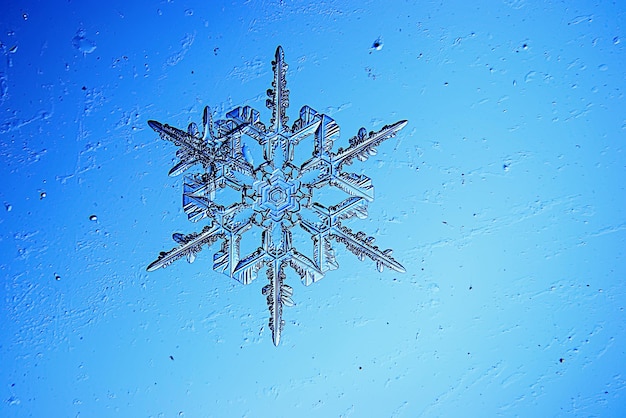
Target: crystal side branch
(274, 196)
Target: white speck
(247, 155)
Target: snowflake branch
(363, 246)
(191, 244)
(278, 100)
(363, 145)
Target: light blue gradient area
(504, 198)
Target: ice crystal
(273, 195)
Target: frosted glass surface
(503, 199)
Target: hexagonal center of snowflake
(277, 195)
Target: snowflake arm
(278, 100)
(363, 246)
(278, 294)
(363, 144)
(357, 243)
(190, 245)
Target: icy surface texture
(273, 195)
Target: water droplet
(8, 206)
(43, 195)
(84, 45)
(13, 49)
(189, 12)
(57, 277)
(93, 218)
(4, 86)
(603, 67)
(25, 16)
(616, 40)
(378, 44)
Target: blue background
(504, 198)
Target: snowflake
(274, 196)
